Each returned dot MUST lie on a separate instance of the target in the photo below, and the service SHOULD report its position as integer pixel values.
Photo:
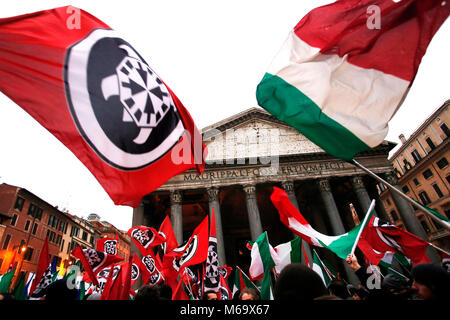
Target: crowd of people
(299, 282)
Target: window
(35, 226)
(50, 220)
(27, 225)
(58, 239)
(62, 246)
(438, 190)
(416, 182)
(445, 130)
(388, 202)
(430, 143)
(425, 225)
(427, 174)
(416, 155)
(442, 163)
(28, 255)
(92, 240)
(35, 211)
(394, 215)
(424, 198)
(85, 235)
(407, 166)
(19, 203)
(75, 231)
(13, 220)
(405, 189)
(6, 243)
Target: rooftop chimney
(402, 138)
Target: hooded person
(430, 282)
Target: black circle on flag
(120, 106)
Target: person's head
(298, 282)
(430, 281)
(165, 292)
(249, 294)
(58, 290)
(147, 293)
(6, 296)
(210, 295)
(338, 288)
(394, 285)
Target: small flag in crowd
(383, 236)
(289, 252)
(338, 81)
(341, 245)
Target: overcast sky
(212, 54)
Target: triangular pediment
(254, 133)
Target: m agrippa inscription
(298, 170)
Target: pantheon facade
(248, 154)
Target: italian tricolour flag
(341, 245)
(346, 67)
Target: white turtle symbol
(144, 96)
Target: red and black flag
(145, 238)
(93, 91)
(94, 261)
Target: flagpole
(363, 224)
(391, 187)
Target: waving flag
(43, 263)
(166, 230)
(341, 245)
(341, 76)
(382, 236)
(151, 270)
(94, 261)
(264, 259)
(94, 92)
(241, 281)
(108, 245)
(194, 251)
(289, 252)
(145, 238)
(212, 275)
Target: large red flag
(94, 92)
(383, 236)
(43, 263)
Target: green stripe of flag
(291, 106)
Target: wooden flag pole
(391, 187)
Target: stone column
(176, 214)
(254, 218)
(288, 186)
(336, 222)
(361, 193)
(408, 215)
(332, 211)
(213, 196)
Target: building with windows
(27, 220)
(421, 165)
(248, 154)
(106, 229)
(82, 233)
